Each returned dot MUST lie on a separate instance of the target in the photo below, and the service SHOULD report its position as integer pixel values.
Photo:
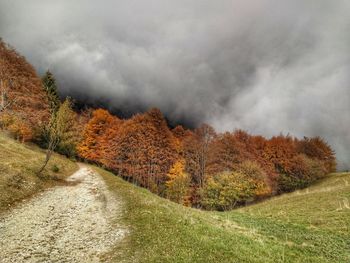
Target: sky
(266, 66)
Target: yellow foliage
(18, 127)
(178, 183)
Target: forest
(197, 167)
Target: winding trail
(64, 224)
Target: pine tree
(50, 86)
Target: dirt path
(63, 224)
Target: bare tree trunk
(4, 100)
(50, 149)
(47, 159)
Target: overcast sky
(267, 66)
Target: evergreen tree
(50, 86)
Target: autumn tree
(259, 145)
(225, 154)
(21, 92)
(109, 142)
(71, 135)
(178, 182)
(145, 150)
(226, 190)
(5, 100)
(317, 148)
(196, 149)
(256, 177)
(179, 132)
(180, 135)
(18, 127)
(280, 150)
(91, 147)
(58, 130)
(5, 80)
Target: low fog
(266, 66)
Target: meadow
(310, 225)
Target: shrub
(226, 190)
(17, 126)
(302, 173)
(6, 120)
(316, 169)
(289, 183)
(257, 178)
(21, 131)
(55, 168)
(318, 149)
(67, 148)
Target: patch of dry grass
(18, 166)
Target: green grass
(311, 225)
(18, 166)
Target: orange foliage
(21, 130)
(18, 127)
(226, 152)
(177, 183)
(141, 149)
(144, 151)
(92, 147)
(280, 151)
(25, 88)
(196, 152)
(180, 135)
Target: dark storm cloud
(267, 66)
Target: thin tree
(5, 101)
(205, 134)
(58, 126)
(5, 83)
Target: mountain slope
(23, 87)
(311, 225)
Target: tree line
(200, 167)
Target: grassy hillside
(18, 164)
(312, 225)
(306, 226)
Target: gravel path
(64, 224)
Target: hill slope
(311, 225)
(24, 87)
(18, 165)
